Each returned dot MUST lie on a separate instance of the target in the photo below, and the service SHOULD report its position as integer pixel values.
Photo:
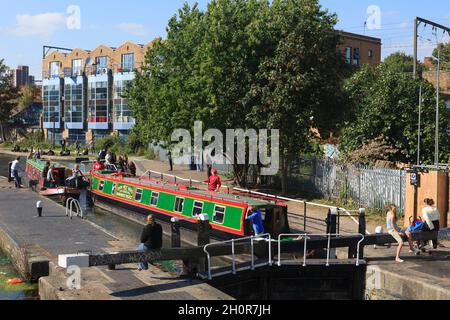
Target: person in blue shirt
(255, 216)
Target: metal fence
(365, 186)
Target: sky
(27, 25)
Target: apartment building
(82, 91)
(21, 76)
(360, 49)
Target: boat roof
(195, 191)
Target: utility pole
(436, 156)
(420, 124)
(417, 22)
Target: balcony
(94, 70)
(124, 123)
(98, 123)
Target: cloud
(42, 25)
(133, 28)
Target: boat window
(179, 202)
(114, 187)
(101, 185)
(154, 199)
(219, 214)
(138, 195)
(198, 208)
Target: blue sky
(27, 25)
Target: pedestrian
(15, 169)
(151, 239)
(45, 170)
(77, 147)
(208, 170)
(73, 180)
(51, 177)
(431, 215)
(102, 154)
(255, 216)
(98, 165)
(63, 145)
(108, 158)
(396, 232)
(132, 168)
(213, 181)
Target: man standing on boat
(213, 181)
(151, 239)
(255, 216)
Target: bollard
(362, 229)
(175, 233)
(332, 228)
(203, 238)
(39, 208)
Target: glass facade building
(122, 113)
(99, 102)
(74, 102)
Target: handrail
(305, 237)
(69, 205)
(233, 241)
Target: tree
(386, 104)
(400, 62)
(444, 52)
(7, 95)
(298, 84)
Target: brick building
(21, 76)
(82, 92)
(359, 49)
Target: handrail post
(233, 255)
(252, 252)
(305, 250)
(270, 250)
(362, 229)
(328, 250)
(304, 216)
(279, 250)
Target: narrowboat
(34, 173)
(166, 200)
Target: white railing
(253, 265)
(305, 245)
(69, 208)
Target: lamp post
(436, 156)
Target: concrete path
(55, 234)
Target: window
(219, 214)
(54, 69)
(348, 55)
(101, 185)
(114, 187)
(198, 208)
(356, 56)
(77, 67)
(154, 199)
(370, 53)
(101, 63)
(179, 202)
(138, 195)
(128, 62)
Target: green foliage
(400, 62)
(8, 93)
(243, 64)
(386, 104)
(444, 52)
(35, 140)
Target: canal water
(118, 226)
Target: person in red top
(99, 166)
(214, 183)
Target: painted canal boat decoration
(227, 211)
(34, 172)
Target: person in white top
(15, 169)
(431, 216)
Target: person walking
(151, 239)
(15, 169)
